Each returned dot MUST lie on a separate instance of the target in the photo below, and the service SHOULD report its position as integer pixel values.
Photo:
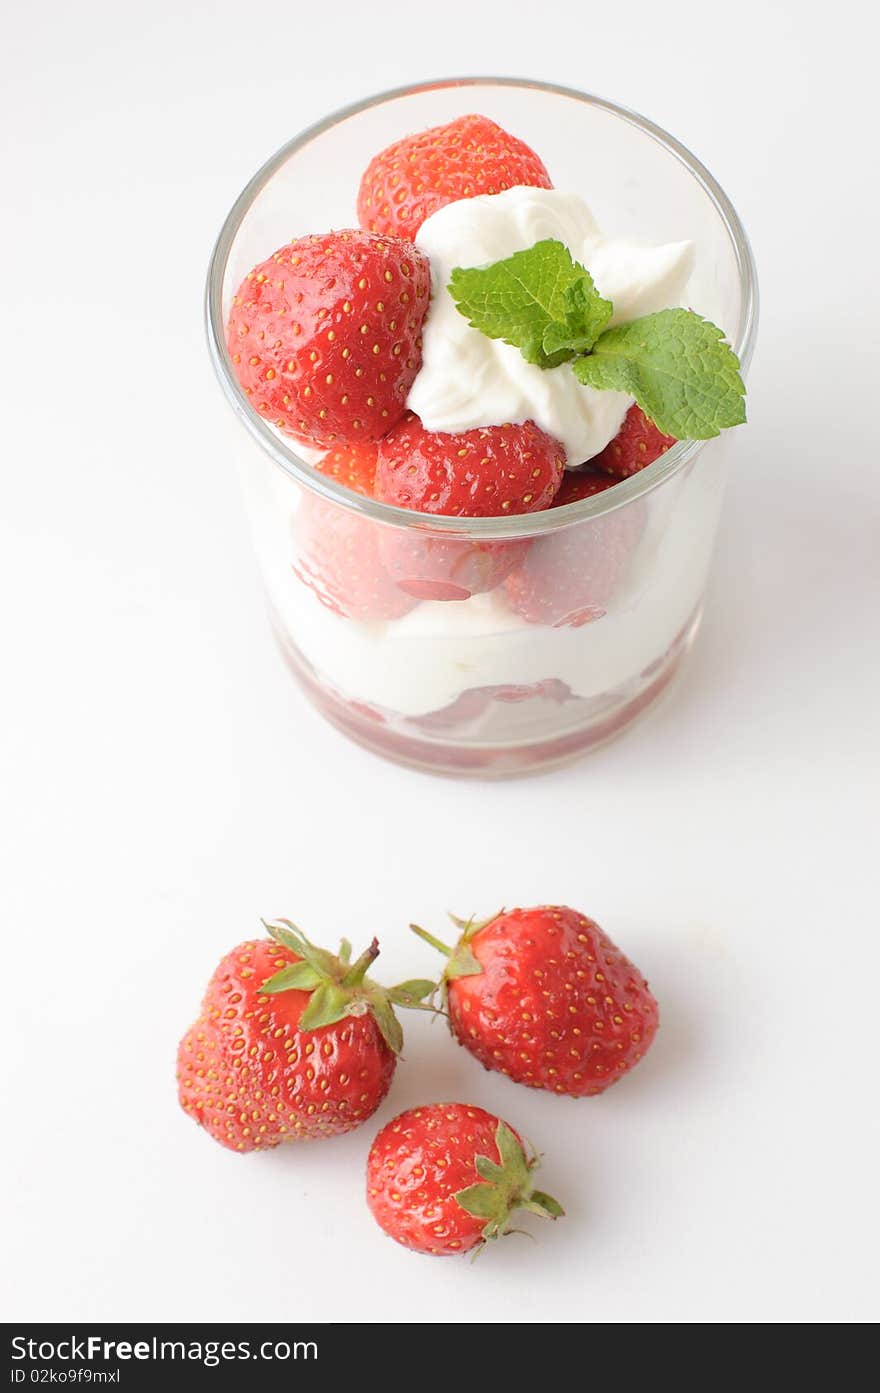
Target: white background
(164, 784)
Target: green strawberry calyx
(461, 961)
(339, 987)
(506, 1187)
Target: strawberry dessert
(475, 374)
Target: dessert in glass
(470, 330)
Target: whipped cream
(467, 380)
(424, 661)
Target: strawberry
(292, 1043)
(544, 996)
(414, 177)
(581, 483)
(338, 557)
(446, 568)
(636, 445)
(448, 1177)
(491, 471)
(351, 465)
(568, 577)
(325, 336)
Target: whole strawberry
(447, 1178)
(415, 176)
(569, 577)
(351, 465)
(337, 555)
(431, 567)
(493, 471)
(292, 1043)
(325, 336)
(544, 996)
(636, 445)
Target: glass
(466, 684)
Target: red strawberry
(351, 465)
(325, 336)
(581, 483)
(491, 471)
(446, 1178)
(292, 1043)
(568, 577)
(338, 556)
(444, 568)
(636, 445)
(471, 155)
(544, 996)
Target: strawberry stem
(358, 970)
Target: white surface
(468, 380)
(163, 784)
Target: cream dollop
(467, 380)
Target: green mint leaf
(677, 366)
(539, 301)
(586, 315)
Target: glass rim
(526, 524)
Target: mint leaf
(677, 366)
(539, 301)
(586, 315)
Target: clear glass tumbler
(476, 682)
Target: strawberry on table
(325, 336)
(447, 1178)
(411, 179)
(636, 445)
(544, 996)
(292, 1043)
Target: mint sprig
(676, 364)
(540, 300)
